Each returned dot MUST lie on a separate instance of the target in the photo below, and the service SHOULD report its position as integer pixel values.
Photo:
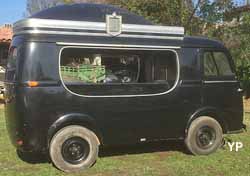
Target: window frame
(218, 77)
(175, 50)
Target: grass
(164, 159)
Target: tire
(74, 149)
(204, 136)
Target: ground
(246, 105)
(158, 159)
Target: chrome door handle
(240, 90)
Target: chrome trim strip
(96, 34)
(236, 131)
(63, 24)
(97, 26)
(153, 29)
(211, 82)
(121, 96)
(130, 47)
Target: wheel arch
(74, 119)
(207, 111)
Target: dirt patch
(163, 155)
(246, 105)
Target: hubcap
(75, 150)
(205, 137)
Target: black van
(83, 76)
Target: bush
(243, 74)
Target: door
(221, 90)
(151, 112)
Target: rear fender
(74, 119)
(207, 111)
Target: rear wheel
(204, 136)
(74, 149)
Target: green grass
(141, 162)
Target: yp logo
(235, 146)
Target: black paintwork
(35, 114)
(89, 12)
(202, 42)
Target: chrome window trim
(131, 47)
(224, 81)
(125, 47)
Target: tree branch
(193, 13)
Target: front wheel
(204, 136)
(74, 149)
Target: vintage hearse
(83, 76)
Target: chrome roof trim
(96, 34)
(95, 26)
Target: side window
(12, 58)
(103, 72)
(223, 64)
(209, 65)
(165, 68)
(4, 54)
(216, 63)
(11, 65)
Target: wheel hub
(205, 137)
(75, 150)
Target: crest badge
(114, 24)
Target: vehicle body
(43, 95)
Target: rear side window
(4, 54)
(209, 65)
(216, 63)
(11, 65)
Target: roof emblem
(114, 24)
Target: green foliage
(165, 12)
(243, 52)
(168, 12)
(236, 36)
(243, 73)
(214, 11)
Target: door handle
(240, 90)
